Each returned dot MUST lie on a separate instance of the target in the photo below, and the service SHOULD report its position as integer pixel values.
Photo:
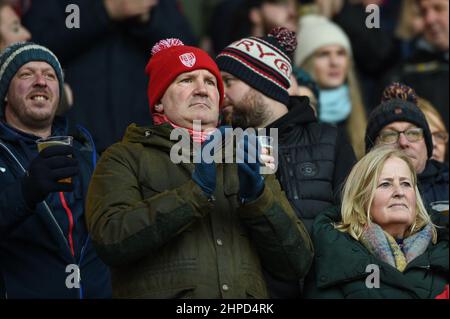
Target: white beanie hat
(317, 31)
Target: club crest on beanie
(170, 58)
(16, 55)
(264, 63)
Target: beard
(251, 111)
(32, 118)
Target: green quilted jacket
(163, 239)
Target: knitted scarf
(385, 247)
(335, 105)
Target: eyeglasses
(440, 137)
(390, 136)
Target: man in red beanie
(203, 230)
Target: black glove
(44, 172)
(204, 173)
(250, 180)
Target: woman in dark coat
(382, 244)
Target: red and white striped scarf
(197, 136)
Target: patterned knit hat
(170, 58)
(263, 63)
(398, 104)
(15, 56)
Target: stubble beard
(251, 111)
(32, 118)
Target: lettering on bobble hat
(263, 63)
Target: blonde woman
(437, 127)
(326, 54)
(382, 244)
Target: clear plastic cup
(440, 206)
(266, 150)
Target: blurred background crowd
(341, 62)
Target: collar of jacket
(424, 53)
(8, 133)
(300, 113)
(350, 258)
(156, 135)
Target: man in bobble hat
(202, 230)
(399, 122)
(45, 250)
(314, 159)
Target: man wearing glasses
(399, 122)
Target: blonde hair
(427, 109)
(359, 190)
(357, 121)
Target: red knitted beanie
(170, 58)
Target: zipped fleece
(163, 239)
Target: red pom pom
(287, 39)
(165, 44)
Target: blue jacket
(35, 256)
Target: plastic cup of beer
(440, 206)
(43, 143)
(266, 143)
(266, 150)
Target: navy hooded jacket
(36, 260)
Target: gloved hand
(44, 172)
(250, 180)
(204, 173)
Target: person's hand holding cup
(43, 143)
(50, 171)
(266, 156)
